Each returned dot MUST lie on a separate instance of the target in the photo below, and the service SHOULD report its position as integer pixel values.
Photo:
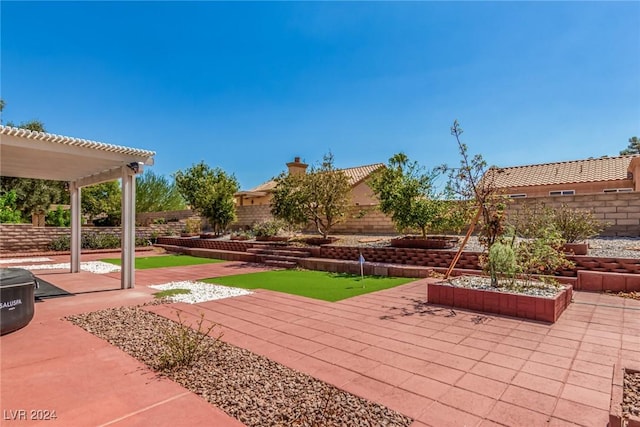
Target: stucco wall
(580, 188)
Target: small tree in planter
(320, 196)
(407, 195)
(473, 181)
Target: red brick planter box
(508, 304)
(617, 389)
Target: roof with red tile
(355, 175)
(587, 170)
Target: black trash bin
(17, 287)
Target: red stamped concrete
(437, 365)
(52, 365)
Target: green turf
(171, 292)
(165, 261)
(312, 284)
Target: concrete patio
(439, 366)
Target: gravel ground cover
(96, 267)
(606, 247)
(522, 287)
(23, 260)
(631, 396)
(248, 387)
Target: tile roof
(575, 171)
(355, 175)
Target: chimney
(296, 167)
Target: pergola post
(76, 224)
(127, 274)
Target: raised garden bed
(534, 307)
(625, 396)
(429, 242)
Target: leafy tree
(59, 217)
(32, 125)
(104, 198)
(210, 193)
(407, 194)
(8, 210)
(633, 147)
(320, 196)
(156, 193)
(34, 195)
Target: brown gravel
(631, 396)
(251, 388)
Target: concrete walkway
(440, 366)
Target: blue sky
(248, 86)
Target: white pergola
(27, 154)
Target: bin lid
(15, 276)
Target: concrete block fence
(27, 238)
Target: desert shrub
(542, 255)
(184, 345)
(575, 225)
(192, 226)
(268, 228)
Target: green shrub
(8, 210)
(502, 261)
(62, 243)
(91, 241)
(58, 218)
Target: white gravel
(21, 260)
(525, 287)
(96, 267)
(200, 291)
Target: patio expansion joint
(619, 307)
(131, 414)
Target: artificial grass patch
(313, 284)
(171, 292)
(166, 261)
